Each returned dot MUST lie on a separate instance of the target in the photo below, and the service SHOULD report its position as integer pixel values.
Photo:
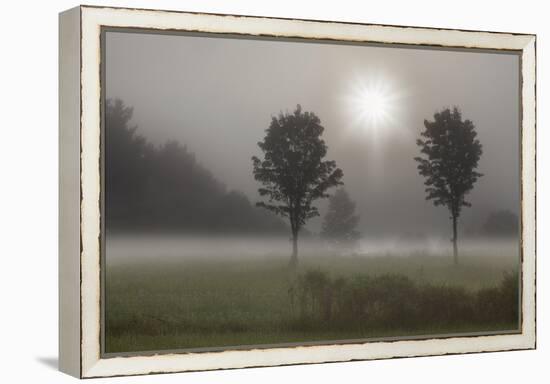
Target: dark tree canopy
(293, 171)
(450, 153)
(165, 188)
(340, 222)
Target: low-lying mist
(157, 248)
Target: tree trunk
(455, 248)
(294, 258)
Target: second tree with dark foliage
(450, 153)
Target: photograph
(262, 192)
(209, 191)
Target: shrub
(396, 302)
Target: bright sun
(374, 103)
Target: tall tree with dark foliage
(292, 171)
(450, 153)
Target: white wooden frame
(80, 214)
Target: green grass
(222, 303)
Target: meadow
(215, 302)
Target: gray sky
(217, 96)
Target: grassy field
(217, 303)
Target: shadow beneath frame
(48, 361)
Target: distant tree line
(501, 224)
(165, 188)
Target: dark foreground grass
(207, 303)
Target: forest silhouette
(165, 188)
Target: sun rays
(374, 104)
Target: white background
(28, 190)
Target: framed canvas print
(247, 191)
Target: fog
(122, 249)
(216, 96)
